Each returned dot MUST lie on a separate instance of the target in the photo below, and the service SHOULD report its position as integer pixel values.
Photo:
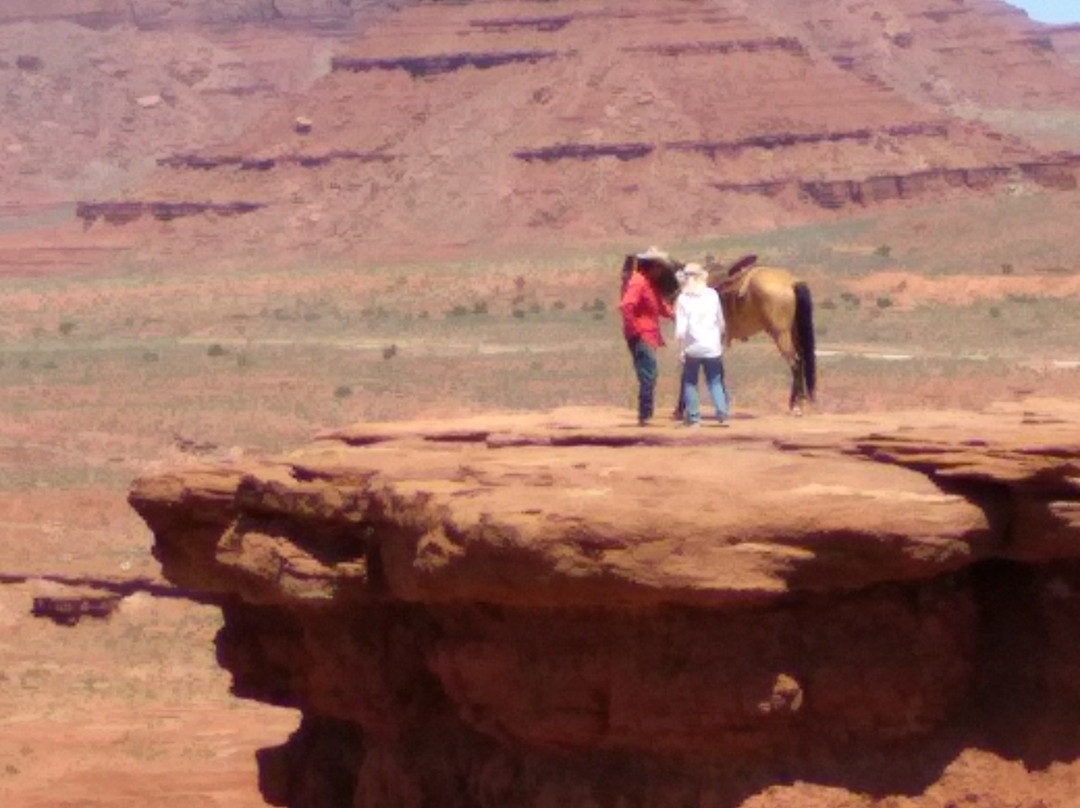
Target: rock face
(570, 610)
(598, 120)
(151, 13)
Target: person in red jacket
(642, 307)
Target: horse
(755, 299)
(773, 300)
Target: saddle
(736, 278)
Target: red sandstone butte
(566, 609)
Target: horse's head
(658, 267)
(664, 277)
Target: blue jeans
(714, 379)
(644, 356)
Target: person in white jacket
(699, 329)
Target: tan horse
(769, 299)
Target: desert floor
(117, 371)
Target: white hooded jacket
(699, 320)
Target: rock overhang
(576, 506)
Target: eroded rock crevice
(123, 212)
(422, 66)
(241, 163)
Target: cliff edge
(567, 609)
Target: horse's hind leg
(798, 388)
(786, 344)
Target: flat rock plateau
(566, 608)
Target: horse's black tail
(804, 333)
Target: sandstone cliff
(569, 610)
(461, 124)
(155, 13)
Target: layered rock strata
(569, 610)
(598, 120)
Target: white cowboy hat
(653, 254)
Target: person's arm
(629, 302)
(681, 322)
(720, 322)
(682, 326)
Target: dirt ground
(128, 711)
(122, 371)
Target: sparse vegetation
(29, 63)
(216, 350)
(342, 391)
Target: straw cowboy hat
(654, 254)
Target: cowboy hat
(654, 254)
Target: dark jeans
(645, 367)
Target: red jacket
(642, 309)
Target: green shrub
(342, 391)
(390, 351)
(883, 251)
(457, 311)
(66, 327)
(884, 302)
(216, 350)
